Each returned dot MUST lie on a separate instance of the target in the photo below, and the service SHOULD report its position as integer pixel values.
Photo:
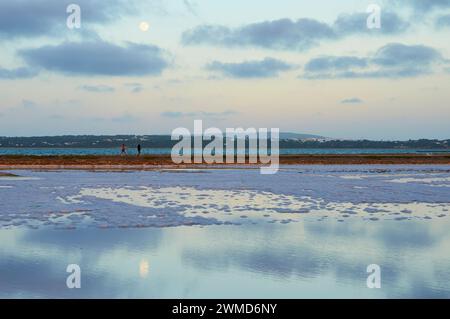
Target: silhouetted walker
(124, 150)
(139, 149)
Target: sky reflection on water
(324, 259)
(308, 231)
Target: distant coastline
(287, 141)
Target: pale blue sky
(301, 66)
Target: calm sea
(166, 151)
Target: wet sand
(165, 161)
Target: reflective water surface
(167, 151)
(306, 232)
(324, 259)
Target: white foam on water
(18, 178)
(420, 180)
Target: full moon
(143, 268)
(144, 26)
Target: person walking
(123, 150)
(139, 149)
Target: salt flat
(71, 199)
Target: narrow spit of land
(158, 161)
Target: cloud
(174, 81)
(355, 23)
(24, 18)
(397, 54)
(97, 88)
(379, 74)
(199, 114)
(27, 104)
(353, 100)
(268, 67)
(18, 73)
(443, 21)
(98, 58)
(286, 34)
(135, 87)
(283, 34)
(424, 5)
(393, 60)
(191, 7)
(334, 63)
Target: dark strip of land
(150, 161)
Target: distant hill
(298, 136)
(287, 140)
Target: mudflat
(150, 161)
